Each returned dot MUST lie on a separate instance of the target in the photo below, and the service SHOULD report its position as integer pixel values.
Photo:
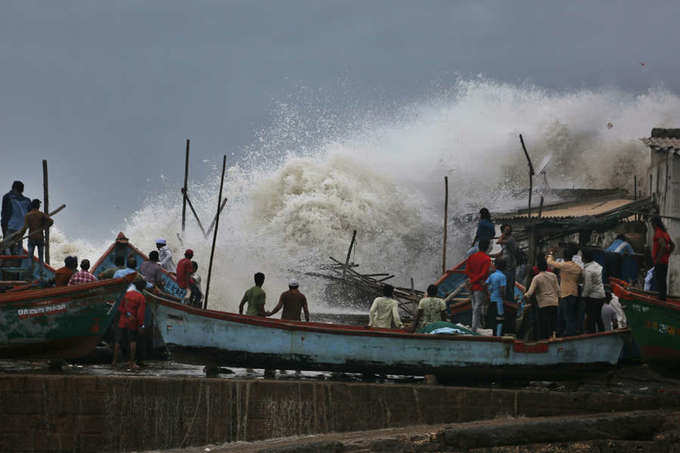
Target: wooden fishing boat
(63, 322)
(14, 269)
(123, 247)
(216, 338)
(655, 324)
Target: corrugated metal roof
(662, 143)
(586, 208)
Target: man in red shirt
(477, 270)
(661, 252)
(184, 270)
(130, 322)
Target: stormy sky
(108, 91)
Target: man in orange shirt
(477, 271)
(63, 274)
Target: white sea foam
(309, 181)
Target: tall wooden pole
(46, 209)
(217, 224)
(349, 254)
(186, 182)
(532, 235)
(446, 218)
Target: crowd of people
(565, 294)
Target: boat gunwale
(341, 329)
(62, 291)
(634, 294)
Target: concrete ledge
(90, 413)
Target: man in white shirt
(165, 256)
(593, 292)
(384, 311)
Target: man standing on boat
(36, 221)
(184, 270)
(293, 303)
(384, 311)
(509, 254)
(165, 255)
(477, 271)
(661, 251)
(485, 228)
(593, 292)
(430, 309)
(255, 297)
(15, 206)
(83, 275)
(152, 271)
(495, 284)
(546, 290)
(569, 318)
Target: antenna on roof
(545, 187)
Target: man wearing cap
(184, 270)
(165, 256)
(292, 302)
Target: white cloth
(620, 314)
(649, 278)
(165, 259)
(592, 281)
(608, 315)
(384, 312)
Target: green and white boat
(65, 322)
(655, 324)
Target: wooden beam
(349, 253)
(212, 224)
(46, 209)
(446, 217)
(217, 224)
(184, 191)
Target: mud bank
(100, 413)
(643, 431)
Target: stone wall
(88, 413)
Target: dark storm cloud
(107, 91)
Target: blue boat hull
(216, 338)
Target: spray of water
(312, 179)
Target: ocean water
(302, 187)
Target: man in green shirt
(255, 297)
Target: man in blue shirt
(495, 284)
(14, 208)
(621, 246)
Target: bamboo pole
(46, 209)
(186, 182)
(446, 217)
(191, 206)
(532, 235)
(217, 224)
(349, 253)
(212, 224)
